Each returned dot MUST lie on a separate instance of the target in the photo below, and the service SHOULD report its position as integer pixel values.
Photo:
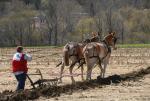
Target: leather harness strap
(73, 54)
(108, 51)
(76, 54)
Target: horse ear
(109, 32)
(113, 33)
(98, 33)
(94, 34)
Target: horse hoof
(73, 82)
(60, 81)
(88, 79)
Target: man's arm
(28, 57)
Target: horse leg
(70, 69)
(88, 75)
(104, 69)
(101, 69)
(89, 71)
(90, 66)
(100, 66)
(61, 71)
(82, 73)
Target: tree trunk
(20, 32)
(55, 35)
(49, 37)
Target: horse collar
(107, 46)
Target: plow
(41, 82)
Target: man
(19, 67)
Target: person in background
(19, 67)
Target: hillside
(55, 22)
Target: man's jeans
(21, 78)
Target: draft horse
(72, 54)
(99, 53)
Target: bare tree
(98, 22)
(50, 11)
(109, 19)
(92, 10)
(122, 32)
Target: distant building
(39, 22)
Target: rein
(73, 55)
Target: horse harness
(108, 51)
(74, 52)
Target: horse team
(91, 52)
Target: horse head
(111, 40)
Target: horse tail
(79, 52)
(86, 54)
(66, 55)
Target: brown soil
(125, 86)
(55, 91)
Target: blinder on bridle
(74, 53)
(115, 40)
(68, 47)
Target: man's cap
(19, 49)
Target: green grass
(35, 47)
(133, 45)
(43, 46)
(118, 45)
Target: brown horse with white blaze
(99, 53)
